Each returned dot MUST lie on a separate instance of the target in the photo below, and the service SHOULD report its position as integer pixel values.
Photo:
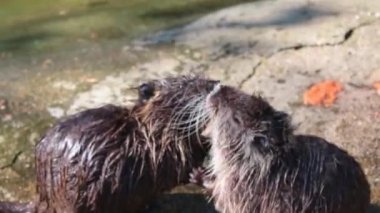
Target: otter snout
(211, 97)
(217, 87)
(220, 94)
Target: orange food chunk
(376, 85)
(322, 93)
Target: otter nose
(211, 85)
(216, 89)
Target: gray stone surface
(269, 26)
(117, 89)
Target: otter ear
(261, 140)
(281, 127)
(281, 117)
(146, 91)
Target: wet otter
(259, 165)
(112, 159)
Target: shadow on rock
(21, 42)
(374, 208)
(292, 16)
(190, 9)
(181, 203)
(281, 18)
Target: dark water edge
(39, 26)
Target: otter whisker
(189, 123)
(190, 129)
(179, 115)
(201, 119)
(190, 119)
(197, 121)
(189, 112)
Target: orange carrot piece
(376, 85)
(322, 93)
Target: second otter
(259, 165)
(112, 159)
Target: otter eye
(261, 140)
(237, 120)
(146, 91)
(211, 84)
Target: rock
(64, 85)
(375, 75)
(7, 117)
(301, 68)
(3, 104)
(273, 25)
(47, 63)
(6, 194)
(115, 89)
(33, 138)
(62, 12)
(197, 55)
(56, 112)
(233, 70)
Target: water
(43, 25)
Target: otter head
(174, 91)
(239, 121)
(167, 104)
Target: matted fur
(259, 165)
(112, 159)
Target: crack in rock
(347, 35)
(254, 69)
(14, 160)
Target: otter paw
(197, 176)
